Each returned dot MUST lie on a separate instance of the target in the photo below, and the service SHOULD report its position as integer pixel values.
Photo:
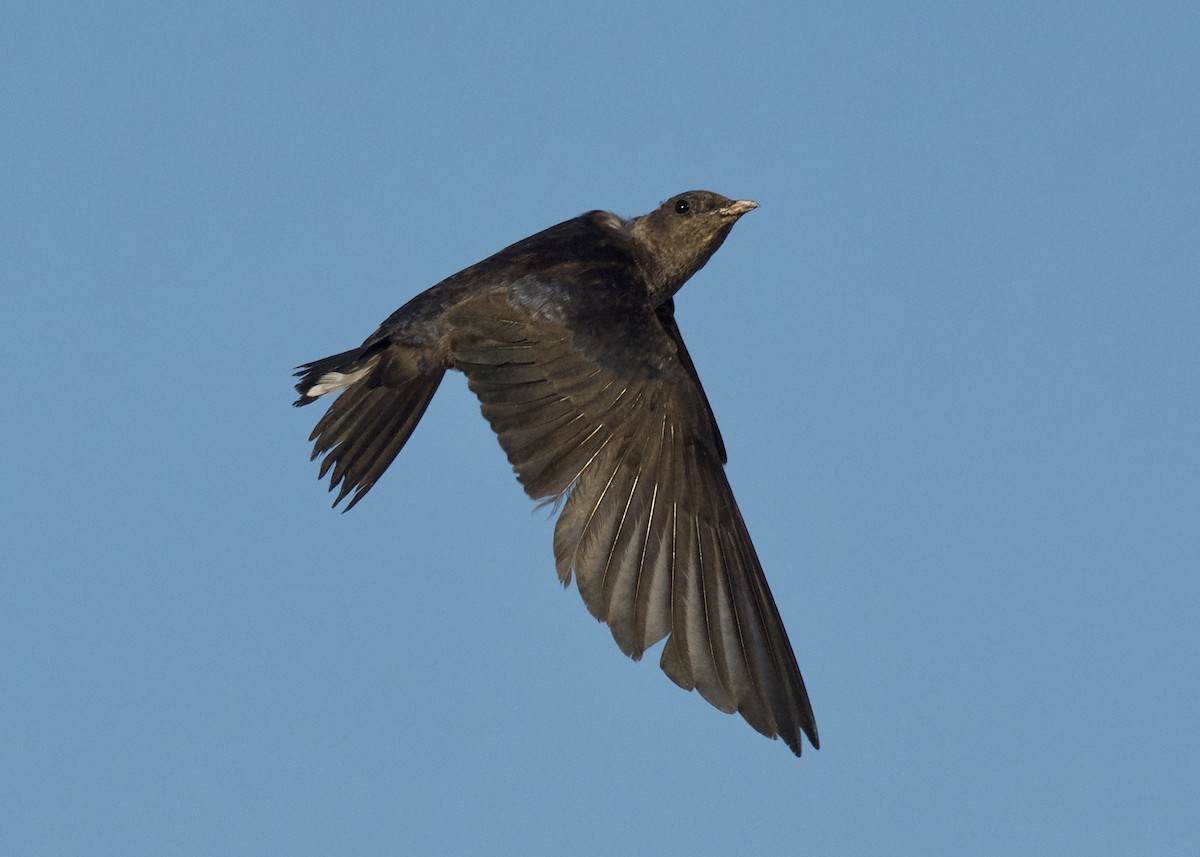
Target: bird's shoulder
(570, 271)
(592, 236)
(579, 276)
(563, 273)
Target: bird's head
(676, 239)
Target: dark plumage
(569, 340)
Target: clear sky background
(954, 356)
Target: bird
(568, 338)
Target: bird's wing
(596, 399)
(666, 317)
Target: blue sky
(954, 358)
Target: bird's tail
(384, 393)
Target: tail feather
(331, 374)
(383, 396)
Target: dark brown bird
(569, 340)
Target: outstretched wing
(593, 398)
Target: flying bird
(569, 340)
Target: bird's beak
(737, 208)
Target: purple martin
(569, 340)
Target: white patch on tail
(332, 382)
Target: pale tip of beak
(738, 208)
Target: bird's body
(569, 340)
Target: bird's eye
(683, 206)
